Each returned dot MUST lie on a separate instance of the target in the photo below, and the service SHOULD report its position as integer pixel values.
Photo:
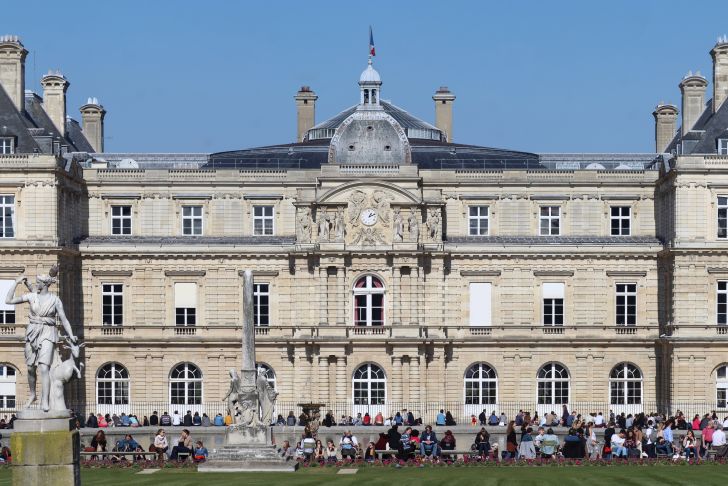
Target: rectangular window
(120, 220)
(192, 220)
(263, 220)
(185, 303)
(723, 146)
(553, 304)
(550, 220)
(7, 216)
(261, 304)
(7, 311)
(626, 304)
(722, 301)
(480, 301)
(722, 216)
(7, 145)
(478, 220)
(112, 313)
(620, 220)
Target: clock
(369, 217)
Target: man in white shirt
(618, 449)
(721, 450)
(599, 420)
(176, 419)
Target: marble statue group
(43, 342)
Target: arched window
(553, 384)
(270, 375)
(369, 385)
(625, 385)
(112, 385)
(8, 379)
(185, 385)
(481, 385)
(721, 386)
(368, 301)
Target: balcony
(352, 334)
(697, 330)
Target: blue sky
(556, 76)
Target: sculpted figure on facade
(339, 224)
(414, 226)
(41, 339)
(433, 224)
(398, 229)
(304, 225)
(323, 225)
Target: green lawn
(541, 476)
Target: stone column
(395, 383)
(248, 343)
(323, 379)
(341, 381)
(414, 379)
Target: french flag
(372, 52)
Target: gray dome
(370, 137)
(413, 127)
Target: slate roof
(34, 130)
(427, 154)
(405, 119)
(705, 133)
(15, 125)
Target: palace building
(393, 266)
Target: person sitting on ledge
(330, 452)
(286, 451)
(98, 443)
(165, 420)
(101, 421)
(187, 419)
(428, 443)
(348, 445)
(92, 422)
(379, 419)
(5, 456)
(220, 421)
(160, 445)
(154, 419)
(196, 419)
(184, 445)
(201, 453)
(205, 422)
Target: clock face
(369, 217)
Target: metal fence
(428, 411)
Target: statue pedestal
(247, 449)
(45, 451)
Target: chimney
(443, 111)
(693, 88)
(305, 111)
(92, 118)
(54, 99)
(665, 123)
(12, 69)
(719, 53)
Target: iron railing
(426, 410)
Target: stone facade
(370, 257)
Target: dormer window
(7, 145)
(723, 146)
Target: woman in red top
(379, 419)
(367, 419)
(696, 422)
